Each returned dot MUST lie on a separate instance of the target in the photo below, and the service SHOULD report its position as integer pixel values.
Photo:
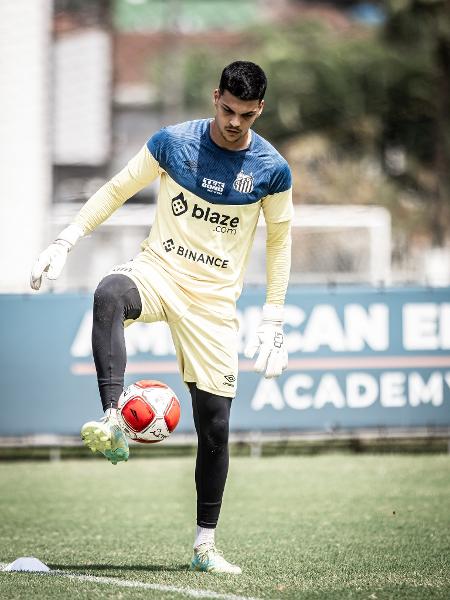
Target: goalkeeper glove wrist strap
(69, 236)
(273, 313)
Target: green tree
(419, 110)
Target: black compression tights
(211, 418)
(115, 300)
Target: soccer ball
(148, 411)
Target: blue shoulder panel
(188, 154)
(156, 144)
(282, 178)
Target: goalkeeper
(216, 175)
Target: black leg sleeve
(211, 418)
(115, 300)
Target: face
(234, 117)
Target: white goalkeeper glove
(269, 341)
(53, 258)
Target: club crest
(243, 183)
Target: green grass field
(328, 526)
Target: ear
(216, 96)
(261, 108)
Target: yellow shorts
(205, 342)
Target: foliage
(420, 30)
(354, 86)
(371, 91)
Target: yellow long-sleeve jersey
(208, 208)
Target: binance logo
(169, 245)
(179, 205)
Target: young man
(215, 177)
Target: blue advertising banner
(359, 357)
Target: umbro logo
(169, 245)
(191, 165)
(230, 380)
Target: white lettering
(293, 317)
(447, 378)
(444, 326)
(267, 394)
(421, 392)
(362, 390)
(392, 389)
(291, 391)
(82, 345)
(140, 337)
(420, 326)
(361, 327)
(395, 389)
(213, 186)
(328, 391)
(149, 337)
(367, 326)
(324, 329)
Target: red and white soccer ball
(148, 411)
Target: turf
(328, 526)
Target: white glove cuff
(70, 235)
(273, 312)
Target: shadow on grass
(88, 568)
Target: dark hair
(245, 80)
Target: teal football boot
(210, 560)
(106, 436)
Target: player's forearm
(140, 171)
(278, 261)
(104, 202)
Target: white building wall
(82, 98)
(25, 162)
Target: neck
(218, 139)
